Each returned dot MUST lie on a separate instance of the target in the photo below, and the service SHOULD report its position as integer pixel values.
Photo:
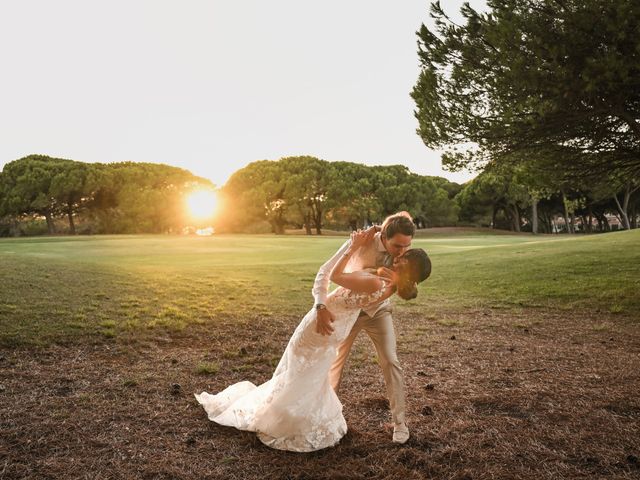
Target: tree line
(310, 193)
(542, 97)
(502, 196)
(40, 194)
(44, 195)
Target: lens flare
(202, 204)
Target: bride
(297, 409)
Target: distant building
(203, 232)
(559, 226)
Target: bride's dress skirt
(296, 409)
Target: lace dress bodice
(349, 299)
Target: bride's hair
(416, 270)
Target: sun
(202, 203)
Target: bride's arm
(321, 284)
(354, 281)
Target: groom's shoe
(400, 433)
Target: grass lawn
(521, 358)
(60, 288)
(558, 272)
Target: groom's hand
(324, 319)
(388, 274)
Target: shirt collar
(379, 244)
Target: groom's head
(397, 232)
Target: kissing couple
(298, 409)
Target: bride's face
(399, 263)
(402, 269)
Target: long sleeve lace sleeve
(321, 284)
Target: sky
(211, 86)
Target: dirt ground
(491, 395)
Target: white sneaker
(400, 433)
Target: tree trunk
(534, 216)
(318, 221)
(622, 208)
(307, 223)
(72, 226)
(620, 222)
(585, 225)
(508, 214)
(566, 214)
(516, 218)
(590, 220)
(51, 228)
(546, 222)
(14, 228)
(600, 222)
(277, 226)
(493, 216)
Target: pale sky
(211, 86)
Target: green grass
(66, 288)
(600, 272)
(207, 368)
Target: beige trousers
(380, 330)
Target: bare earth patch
(491, 394)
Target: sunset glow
(202, 203)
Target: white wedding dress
(296, 409)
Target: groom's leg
(380, 329)
(335, 372)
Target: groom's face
(398, 244)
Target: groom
(393, 239)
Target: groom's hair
(400, 222)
